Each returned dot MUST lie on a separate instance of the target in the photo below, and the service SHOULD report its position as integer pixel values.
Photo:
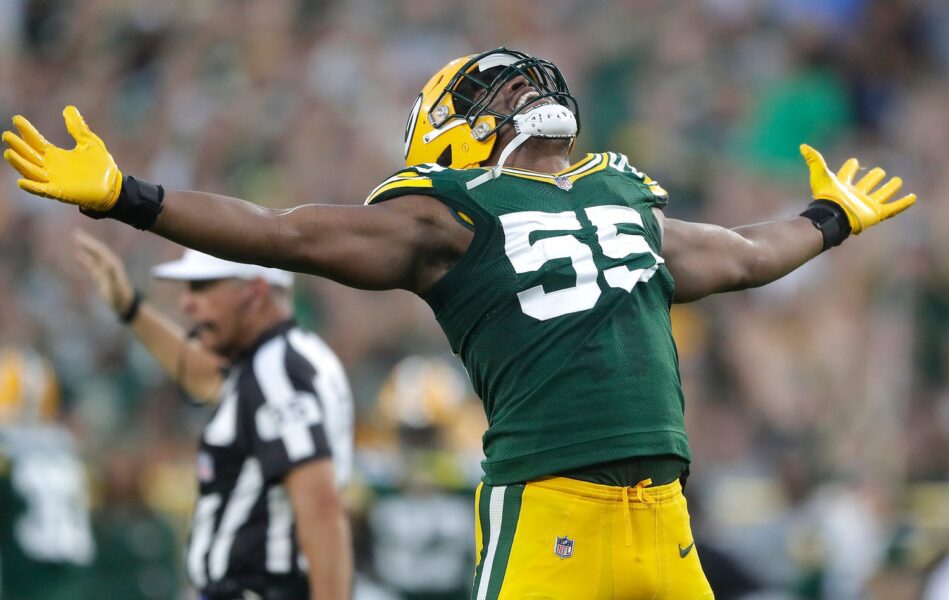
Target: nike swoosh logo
(683, 552)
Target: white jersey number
(527, 257)
(55, 526)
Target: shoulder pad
(405, 179)
(408, 180)
(619, 162)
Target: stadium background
(818, 407)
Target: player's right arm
(406, 243)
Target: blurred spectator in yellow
(46, 544)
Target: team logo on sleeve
(563, 547)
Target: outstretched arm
(405, 243)
(708, 259)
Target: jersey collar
(591, 163)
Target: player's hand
(85, 175)
(864, 208)
(106, 269)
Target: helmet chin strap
(513, 145)
(545, 121)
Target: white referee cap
(198, 266)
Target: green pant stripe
(498, 510)
(484, 502)
(511, 512)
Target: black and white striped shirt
(286, 401)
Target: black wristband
(139, 204)
(830, 219)
(132, 311)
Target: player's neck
(536, 154)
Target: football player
(46, 541)
(552, 280)
(418, 479)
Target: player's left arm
(708, 259)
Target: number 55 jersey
(559, 311)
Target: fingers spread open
(847, 171)
(29, 133)
(87, 262)
(871, 180)
(898, 206)
(95, 248)
(17, 144)
(812, 156)
(76, 124)
(33, 187)
(886, 192)
(25, 167)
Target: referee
(269, 522)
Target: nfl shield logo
(205, 468)
(563, 183)
(564, 547)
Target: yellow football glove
(86, 175)
(863, 208)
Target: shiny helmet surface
(451, 122)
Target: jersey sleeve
(413, 180)
(654, 194)
(426, 180)
(287, 425)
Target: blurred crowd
(817, 407)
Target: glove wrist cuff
(138, 205)
(830, 219)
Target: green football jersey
(559, 311)
(46, 544)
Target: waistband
(596, 491)
(630, 471)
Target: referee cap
(197, 266)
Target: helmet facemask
(452, 124)
(476, 84)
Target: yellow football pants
(559, 538)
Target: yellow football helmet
(421, 392)
(450, 122)
(29, 393)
